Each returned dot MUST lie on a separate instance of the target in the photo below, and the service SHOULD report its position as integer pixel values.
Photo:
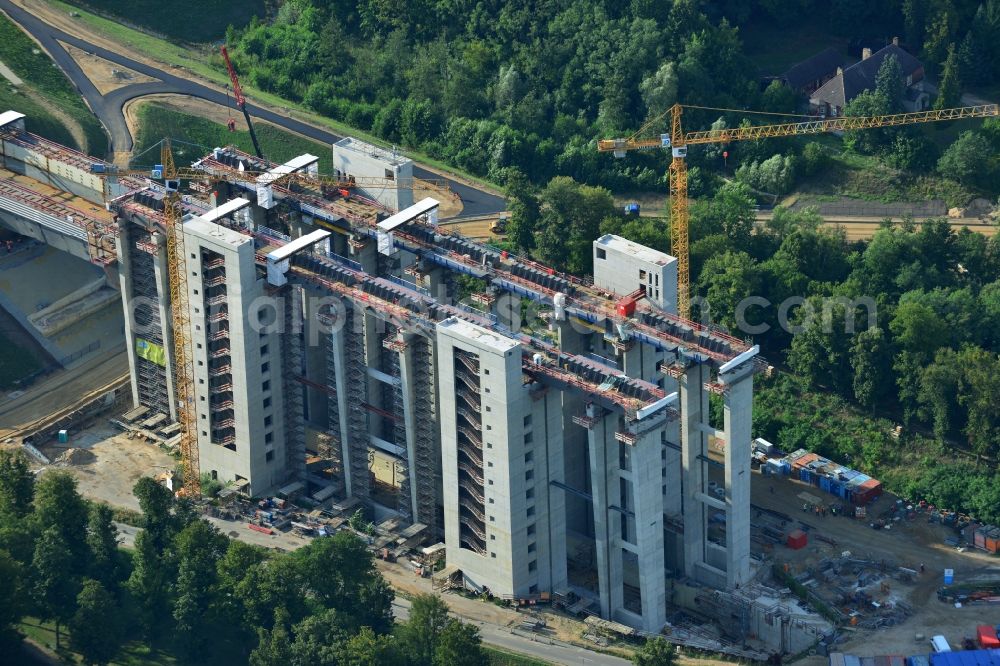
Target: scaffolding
(356, 385)
(293, 366)
(393, 347)
(427, 449)
(151, 377)
(471, 507)
(333, 452)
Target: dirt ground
(116, 464)
(105, 75)
(908, 544)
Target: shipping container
(918, 660)
(986, 636)
(967, 658)
(979, 540)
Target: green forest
(186, 593)
(492, 86)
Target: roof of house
(812, 69)
(860, 76)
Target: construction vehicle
(241, 102)
(678, 140)
(499, 225)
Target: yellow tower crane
(677, 140)
(173, 220)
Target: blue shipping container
(966, 658)
(824, 483)
(804, 475)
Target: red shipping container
(987, 637)
(797, 539)
(980, 538)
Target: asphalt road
(109, 108)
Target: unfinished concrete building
(561, 451)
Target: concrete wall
(363, 160)
(251, 459)
(622, 266)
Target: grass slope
(25, 59)
(182, 20)
(157, 121)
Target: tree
(319, 639)
(102, 540)
(725, 281)
(871, 361)
(889, 83)
(655, 652)
(524, 209)
(733, 206)
(17, 484)
(420, 634)
(366, 648)
(54, 585)
(778, 98)
(96, 629)
(967, 160)
(659, 89)
(868, 141)
(459, 645)
(12, 591)
(571, 220)
(58, 505)
(199, 548)
(340, 573)
(274, 646)
(149, 583)
(156, 503)
(950, 90)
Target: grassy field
(16, 363)
(157, 121)
(174, 19)
(38, 72)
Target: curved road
(109, 108)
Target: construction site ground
(53, 393)
(909, 544)
(106, 76)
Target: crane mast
(678, 141)
(241, 101)
(183, 371)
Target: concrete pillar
(124, 248)
(550, 430)
(410, 418)
(640, 361)
(694, 413)
(315, 364)
(436, 282)
(607, 524)
(647, 491)
(738, 408)
(340, 368)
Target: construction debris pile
(860, 591)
